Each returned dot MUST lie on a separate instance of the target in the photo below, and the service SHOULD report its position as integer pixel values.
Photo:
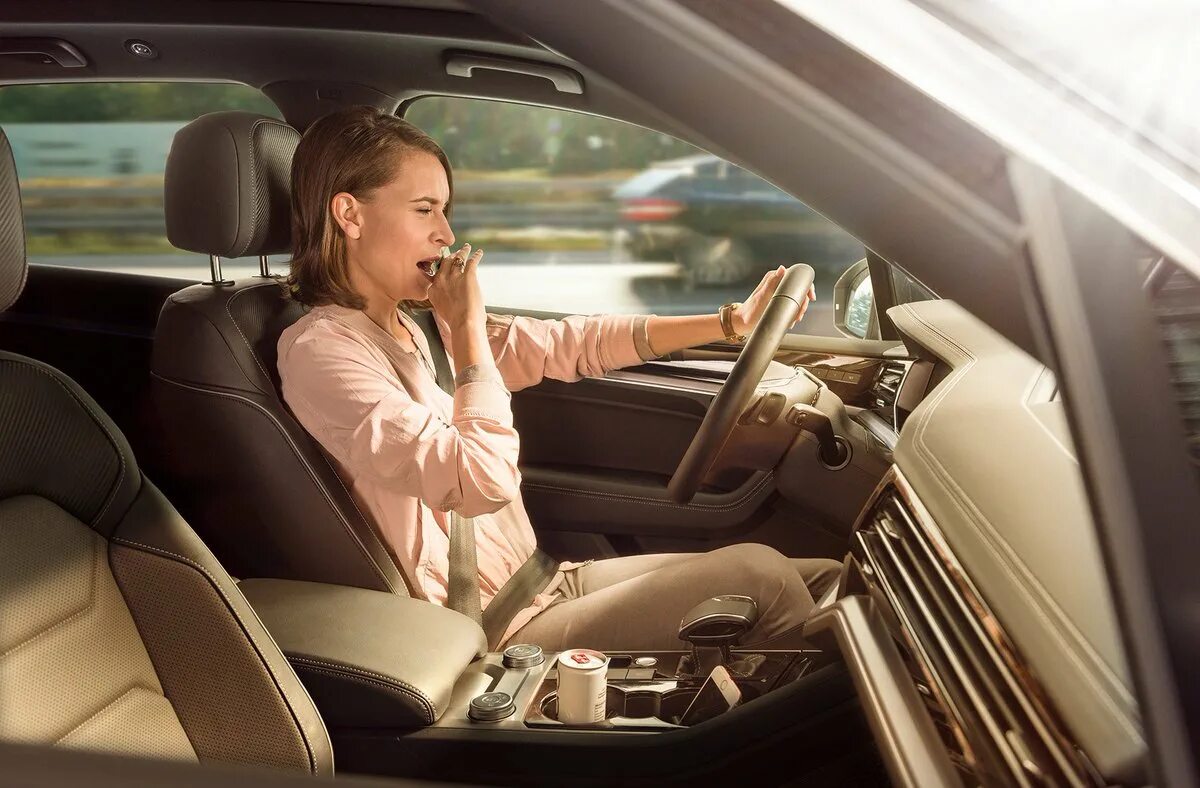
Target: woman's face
(396, 231)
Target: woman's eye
(424, 210)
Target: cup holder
(665, 706)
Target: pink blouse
(410, 452)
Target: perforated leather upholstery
(253, 483)
(119, 631)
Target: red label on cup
(581, 659)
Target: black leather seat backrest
(248, 477)
(119, 630)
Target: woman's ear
(347, 212)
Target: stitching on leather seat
(390, 682)
(216, 586)
(246, 342)
(351, 676)
(312, 474)
(98, 559)
(111, 704)
(712, 507)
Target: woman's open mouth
(430, 265)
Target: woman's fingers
(457, 262)
(473, 260)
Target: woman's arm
(668, 334)
(350, 404)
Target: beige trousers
(635, 603)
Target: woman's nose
(445, 236)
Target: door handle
(565, 80)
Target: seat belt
(462, 593)
(441, 362)
(514, 596)
(462, 587)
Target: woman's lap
(636, 603)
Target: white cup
(582, 688)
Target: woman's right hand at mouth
(455, 294)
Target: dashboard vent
(996, 729)
(886, 387)
(1177, 309)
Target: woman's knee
(760, 571)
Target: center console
(645, 690)
(409, 689)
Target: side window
(583, 214)
(90, 159)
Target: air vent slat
(975, 700)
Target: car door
(535, 189)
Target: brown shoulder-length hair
(355, 150)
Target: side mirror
(854, 303)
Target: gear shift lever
(713, 626)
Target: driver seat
(245, 473)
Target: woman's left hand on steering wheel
(746, 316)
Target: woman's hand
(455, 294)
(746, 317)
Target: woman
(370, 199)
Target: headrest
(12, 230)
(227, 189)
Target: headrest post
(264, 267)
(214, 266)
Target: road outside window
(90, 158)
(585, 214)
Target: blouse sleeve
(342, 396)
(528, 350)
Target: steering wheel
(733, 398)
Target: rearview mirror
(854, 302)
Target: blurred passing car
(724, 225)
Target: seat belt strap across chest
(462, 593)
(462, 587)
(462, 590)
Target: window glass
(90, 159)
(583, 214)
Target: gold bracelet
(725, 313)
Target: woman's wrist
(741, 324)
(467, 322)
(469, 344)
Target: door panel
(596, 456)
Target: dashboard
(978, 557)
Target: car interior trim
(1006, 543)
(747, 493)
(905, 551)
(910, 745)
(966, 359)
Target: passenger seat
(119, 631)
